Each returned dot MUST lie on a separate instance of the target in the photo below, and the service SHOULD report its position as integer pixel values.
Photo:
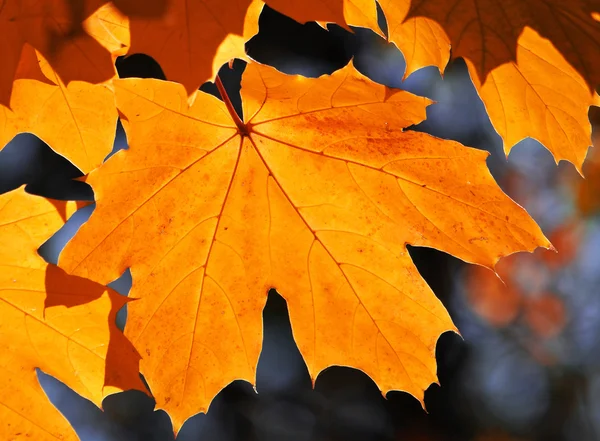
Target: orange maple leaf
(62, 324)
(316, 193)
(77, 120)
(422, 41)
(51, 28)
(533, 93)
(59, 30)
(193, 40)
(540, 96)
(486, 32)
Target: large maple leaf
(62, 324)
(526, 83)
(316, 194)
(194, 39)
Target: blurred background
(528, 365)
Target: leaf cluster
(315, 189)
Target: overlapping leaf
(77, 120)
(318, 200)
(194, 39)
(486, 32)
(49, 27)
(540, 96)
(59, 30)
(526, 83)
(422, 41)
(61, 324)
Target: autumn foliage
(315, 190)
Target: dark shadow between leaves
(127, 416)
(294, 48)
(28, 160)
(139, 66)
(122, 285)
(344, 405)
(51, 249)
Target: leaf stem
(236, 118)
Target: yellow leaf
(78, 120)
(62, 324)
(194, 39)
(56, 29)
(526, 83)
(422, 41)
(540, 96)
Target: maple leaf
(77, 120)
(486, 31)
(540, 96)
(533, 93)
(49, 27)
(316, 194)
(343, 12)
(60, 31)
(193, 40)
(62, 324)
(422, 41)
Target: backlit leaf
(422, 41)
(78, 120)
(540, 96)
(61, 324)
(526, 83)
(486, 32)
(316, 194)
(61, 31)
